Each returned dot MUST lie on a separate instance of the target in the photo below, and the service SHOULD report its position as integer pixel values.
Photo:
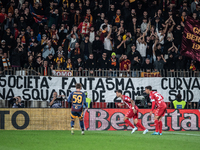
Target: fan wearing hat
(4, 46)
(113, 63)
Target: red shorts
(160, 111)
(130, 114)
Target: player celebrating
(132, 113)
(78, 99)
(157, 100)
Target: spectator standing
(86, 47)
(107, 42)
(48, 49)
(113, 64)
(125, 65)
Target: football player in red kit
(157, 100)
(132, 113)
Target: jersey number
(77, 99)
(159, 97)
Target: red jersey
(127, 101)
(124, 65)
(158, 98)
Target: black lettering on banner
(195, 84)
(84, 85)
(26, 95)
(119, 83)
(95, 96)
(130, 85)
(44, 83)
(90, 82)
(61, 92)
(172, 85)
(2, 116)
(109, 82)
(102, 96)
(64, 82)
(142, 89)
(190, 95)
(24, 81)
(11, 81)
(10, 94)
(51, 95)
(36, 81)
(29, 82)
(3, 93)
(46, 93)
(162, 83)
(72, 83)
(2, 81)
(135, 93)
(68, 92)
(100, 85)
(187, 84)
(26, 120)
(19, 81)
(35, 94)
(172, 93)
(128, 93)
(116, 100)
(178, 84)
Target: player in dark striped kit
(77, 99)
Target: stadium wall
(94, 119)
(41, 88)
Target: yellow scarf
(69, 65)
(90, 18)
(183, 19)
(67, 2)
(117, 19)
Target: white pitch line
(182, 133)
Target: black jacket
(90, 64)
(103, 64)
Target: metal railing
(101, 105)
(100, 73)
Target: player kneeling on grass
(157, 100)
(77, 99)
(132, 113)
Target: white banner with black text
(98, 89)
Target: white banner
(99, 89)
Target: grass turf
(97, 140)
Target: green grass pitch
(98, 140)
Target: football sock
(140, 126)
(72, 124)
(81, 125)
(129, 123)
(156, 125)
(160, 126)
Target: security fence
(101, 73)
(65, 104)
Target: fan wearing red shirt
(158, 101)
(132, 113)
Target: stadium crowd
(95, 34)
